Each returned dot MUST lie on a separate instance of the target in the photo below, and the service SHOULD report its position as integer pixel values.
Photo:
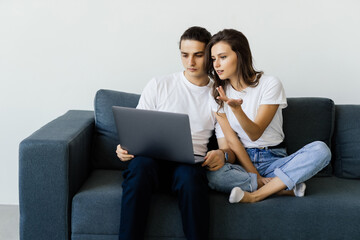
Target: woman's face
(224, 61)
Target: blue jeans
(293, 169)
(144, 176)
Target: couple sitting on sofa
(245, 106)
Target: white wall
(54, 55)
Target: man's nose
(191, 61)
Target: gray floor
(9, 222)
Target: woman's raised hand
(233, 103)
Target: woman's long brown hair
(245, 69)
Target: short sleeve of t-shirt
(215, 108)
(274, 93)
(218, 131)
(148, 96)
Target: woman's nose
(216, 63)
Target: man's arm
(215, 159)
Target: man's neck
(198, 81)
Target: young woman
(248, 106)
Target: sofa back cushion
(347, 141)
(307, 120)
(106, 138)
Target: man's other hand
(123, 154)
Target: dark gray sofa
(70, 181)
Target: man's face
(193, 58)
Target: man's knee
(141, 164)
(190, 178)
(141, 170)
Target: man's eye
(199, 55)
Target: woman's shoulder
(268, 79)
(268, 82)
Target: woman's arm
(235, 145)
(232, 141)
(223, 146)
(254, 129)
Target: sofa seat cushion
(96, 210)
(324, 211)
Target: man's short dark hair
(196, 33)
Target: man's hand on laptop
(123, 154)
(214, 160)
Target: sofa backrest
(106, 139)
(305, 120)
(346, 143)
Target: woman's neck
(237, 84)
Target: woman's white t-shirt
(268, 91)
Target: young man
(184, 92)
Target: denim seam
(253, 183)
(291, 157)
(284, 178)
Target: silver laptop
(155, 134)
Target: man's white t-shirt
(174, 93)
(268, 91)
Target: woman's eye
(223, 57)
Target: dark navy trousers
(144, 176)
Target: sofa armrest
(53, 164)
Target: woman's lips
(219, 72)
